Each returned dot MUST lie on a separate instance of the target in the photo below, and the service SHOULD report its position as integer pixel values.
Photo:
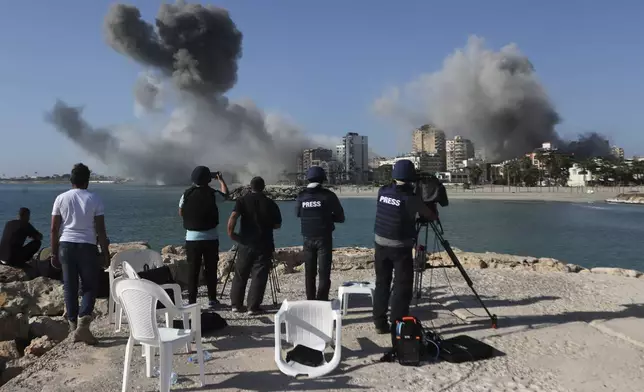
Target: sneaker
(383, 329)
(238, 309)
(253, 312)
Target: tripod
(273, 278)
(420, 262)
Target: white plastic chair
(176, 291)
(137, 258)
(139, 298)
(310, 324)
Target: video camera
(431, 190)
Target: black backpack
(411, 343)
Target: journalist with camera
(198, 208)
(398, 207)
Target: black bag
(103, 290)
(408, 341)
(305, 356)
(210, 321)
(432, 190)
(159, 275)
(463, 348)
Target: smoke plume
(493, 98)
(190, 54)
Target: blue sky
(323, 63)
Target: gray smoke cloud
(191, 54)
(493, 98)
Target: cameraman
(395, 234)
(198, 208)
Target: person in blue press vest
(318, 209)
(395, 233)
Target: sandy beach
(510, 193)
(558, 331)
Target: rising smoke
(191, 54)
(493, 98)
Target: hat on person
(404, 170)
(315, 174)
(201, 175)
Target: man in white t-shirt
(76, 222)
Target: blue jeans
(79, 260)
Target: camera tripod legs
(420, 266)
(273, 278)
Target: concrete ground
(558, 332)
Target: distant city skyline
(596, 87)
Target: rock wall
(275, 192)
(628, 198)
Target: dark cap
(201, 175)
(257, 184)
(315, 174)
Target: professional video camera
(431, 190)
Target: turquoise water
(594, 234)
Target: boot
(82, 333)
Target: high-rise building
(429, 139)
(354, 152)
(617, 152)
(458, 150)
(423, 162)
(315, 157)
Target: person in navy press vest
(395, 233)
(318, 209)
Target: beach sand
(558, 331)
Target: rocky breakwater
(627, 198)
(290, 260)
(275, 192)
(32, 318)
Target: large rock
(13, 326)
(8, 351)
(616, 272)
(119, 247)
(11, 274)
(39, 297)
(275, 192)
(15, 367)
(54, 327)
(39, 346)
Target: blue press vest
(315, 214)
(392, 216)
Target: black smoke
(190, 53)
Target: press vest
(315, 213)
(200, 212)
(393, 220)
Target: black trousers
(399, 263)
(318, 257)
(206, 253)
(20, 257)
(250, 261)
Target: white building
(458, 150)
(354, 152)
(453, 177)
(576, 178)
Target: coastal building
(577, 176)
(355, 157)
(313, 157)
(536, 157)
(617, 152)
(453, 177)
(458, 150)
(423, 162)
(429, 139)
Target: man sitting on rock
(259, 217)
(13, 250)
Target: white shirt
(77, 208)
